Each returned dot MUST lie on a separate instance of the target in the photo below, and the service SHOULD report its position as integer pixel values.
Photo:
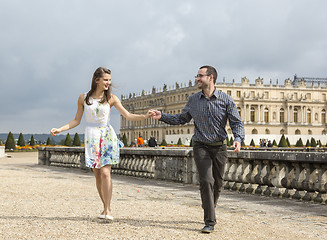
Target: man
(210, 110)
(152, 142)
(139, 141)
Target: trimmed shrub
(274, 143)
(313, 142)
(288, 142)
(308, 144)
(76, 141)
(21, 140)
(32, 141)
(299, 143)
(179, 142)
(68, 141)
(231, 141)
(163, 143)
(10, 142)
(282, 142)
(124, 139)
(191, 142)
(252, 143)
(49, 142)
(242, 144)
(227, 142)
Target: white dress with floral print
(101, 143)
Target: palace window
(309, 132)
(239, 111)
(308, 95)
(282, 95)
(254, 131)
(295, 115)
(308, 116)
(282, 131)
(238, 94)
(266, 95)
(323, 132)
(188, 131)
(297, 132)
(266, 115)
(229, 92)
(324, 96)
(252, 94)
(267, 131)
(323, 116)
(281, 115)
(252, 114)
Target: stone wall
(287, 174)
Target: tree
(313, 142)
(252, 143)
(68, 141)
(77, 141)
(1, 142)
(282, 142)
(21, 140)
(164, 143)
(242, 144)
(179, 142)
(288, 142)
(32, 141)
(124, 140)
(49, 142)
(10, 142)
(231, 141)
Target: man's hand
(156, 115)
(237, 147)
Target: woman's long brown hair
(96, 75)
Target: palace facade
(296, 109)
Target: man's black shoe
(207, 229)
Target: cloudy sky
(50, 49)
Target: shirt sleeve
(177, 119)
(235, 122)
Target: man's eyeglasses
(201, 75)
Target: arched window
(308, 116)
(254, 131)
(229, 131)
(267, 131)
(323, 132)
(266, 115)
(188, 131)
(281, 115)
(239, 111)
(282, 131)
(323, 116)
(182, 131)
(309, 132)
(252, 114)
(295, 115)
(297, 132)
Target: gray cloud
(49, 50)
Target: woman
(101, 143)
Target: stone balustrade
(284, 174)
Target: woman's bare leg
(98, 182)
(106, 188)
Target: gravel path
(41, 202)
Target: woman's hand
(55, 131)
(156, 115)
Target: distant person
(152, 142)
(139, 141)
(210, 109)
(269, 143)
(101, 143)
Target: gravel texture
(42, 202)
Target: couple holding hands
(210, 110)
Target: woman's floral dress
(101, 143)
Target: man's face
(202, 79)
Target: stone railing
(295, 175)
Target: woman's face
(104, 82)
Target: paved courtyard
(41, 202)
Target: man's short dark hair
(211, 70)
